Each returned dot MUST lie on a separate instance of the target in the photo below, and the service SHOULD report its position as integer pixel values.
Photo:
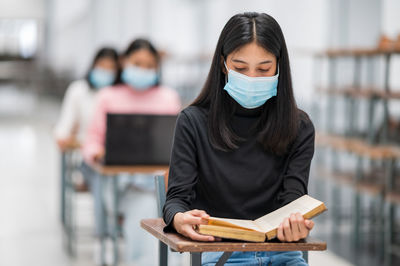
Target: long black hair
(279, 119)
(139, 44)
(102, 53)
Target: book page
(272, 220)
(236, 223)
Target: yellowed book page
(272, 220)
(235, 223)
(231, 233)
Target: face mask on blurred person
(139, 78)
(101, 78)
(250, 92)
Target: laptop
(139, 139)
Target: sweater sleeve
(183, 171)
(95, 135)
(69, 116)
(297, 170)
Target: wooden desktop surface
(71, 145)
(182, 244)
(129, 169)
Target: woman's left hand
(294, 228)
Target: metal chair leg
(224, 258)
(115, 218)
(389, 232)
(195, 258)
(305, 256)
(163, 256)
(103, 235)
(63, 187)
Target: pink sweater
(123, 99)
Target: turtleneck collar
(241, 111)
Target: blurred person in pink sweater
(140, 93)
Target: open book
(263, 228)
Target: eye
(264, 70)
(240, 68)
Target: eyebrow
(243, 62)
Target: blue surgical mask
(101, 78)
(250, 92)
(139, 78)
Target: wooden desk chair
(180, 243)
(111, 173)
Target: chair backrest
(161, 182)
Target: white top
(76, 111)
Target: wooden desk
(106, 172)
(180, 243)
(130, 169)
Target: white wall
(22, 9)
(76, 28)
(364, 22)
(391, 27)
(391, 17)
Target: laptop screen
(138, 139)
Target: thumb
(309, 224)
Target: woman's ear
(223, 68)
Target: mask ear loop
(277, 67)
(227, 71)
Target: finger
(190, 219)
(294, 226)
(198, 237)
(280, 235)
(309, 224)
(287, 232)
(302, 226)
(200, 213)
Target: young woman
(139, 92)
(77, 106)
(243, 148)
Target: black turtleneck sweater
(245, 183)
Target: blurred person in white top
(78, 103)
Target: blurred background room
(345, 65)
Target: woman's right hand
(64, 144)
(185, 222)
(98, 157)
(68, 143)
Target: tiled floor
(30, 231)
